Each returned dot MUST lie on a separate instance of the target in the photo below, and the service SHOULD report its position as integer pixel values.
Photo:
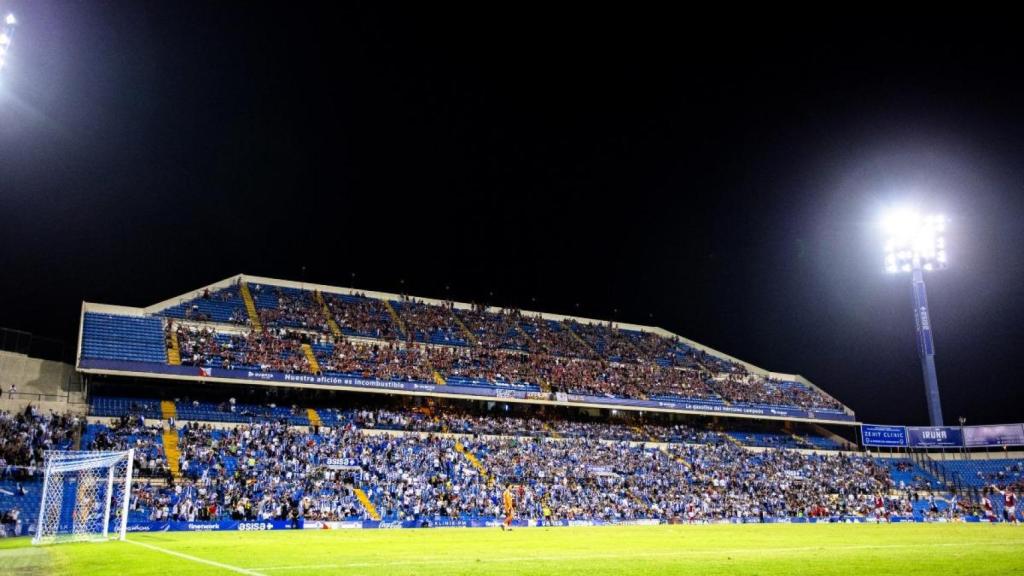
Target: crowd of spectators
(512, 424)
(272, 349)
(379, 360)
(495, 330)
(430, 323)
(555, 338)
(611, 342)
(358, 315)
(270, 471)
(261, 471)
(26, 435)
(751, 389)
(130, 431)
(487, 365)
(507, 348)
(295, 309)
(279, 349)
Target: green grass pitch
(822, 549)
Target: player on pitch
(509, 507)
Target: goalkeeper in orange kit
(509, 507)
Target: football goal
(85, 496)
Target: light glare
(914, 240)
(10, 20)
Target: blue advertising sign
(342, 463)
(934, 437)
(998, 435)
(211, 526)
(225, 525)
(874, 435)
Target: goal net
(85, 496)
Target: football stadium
(318, 429)
(529, 297)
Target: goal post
(85, 496)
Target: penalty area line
(237, 569)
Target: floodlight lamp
(4, 39)
(10, 20)
(901, 222)
(913, 240)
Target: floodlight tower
(917, 244)
(6, 37)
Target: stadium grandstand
(250, 329)
(261, 400)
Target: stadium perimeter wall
(45, 384)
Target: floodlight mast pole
(925, 345)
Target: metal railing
(29, 344)
(37, 396)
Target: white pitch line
(238, 569)
(606, 556)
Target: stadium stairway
(642, 434)
(470, 337)
(554, 433)
(678, 460)
(314, 417)
(732, 439)
(250, 307)
(802, 442)
(661, 447)
(311, 358)
(583, 341)
(396, 319)
(461, 449)
(172, 452)
(367, 504)
(173, 350)
(168, 410)
(526, 334)
(335, 329)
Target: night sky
(721, 177)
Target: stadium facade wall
(45, 384)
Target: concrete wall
(36, 376)
(42, 383)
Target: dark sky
(717, 176)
